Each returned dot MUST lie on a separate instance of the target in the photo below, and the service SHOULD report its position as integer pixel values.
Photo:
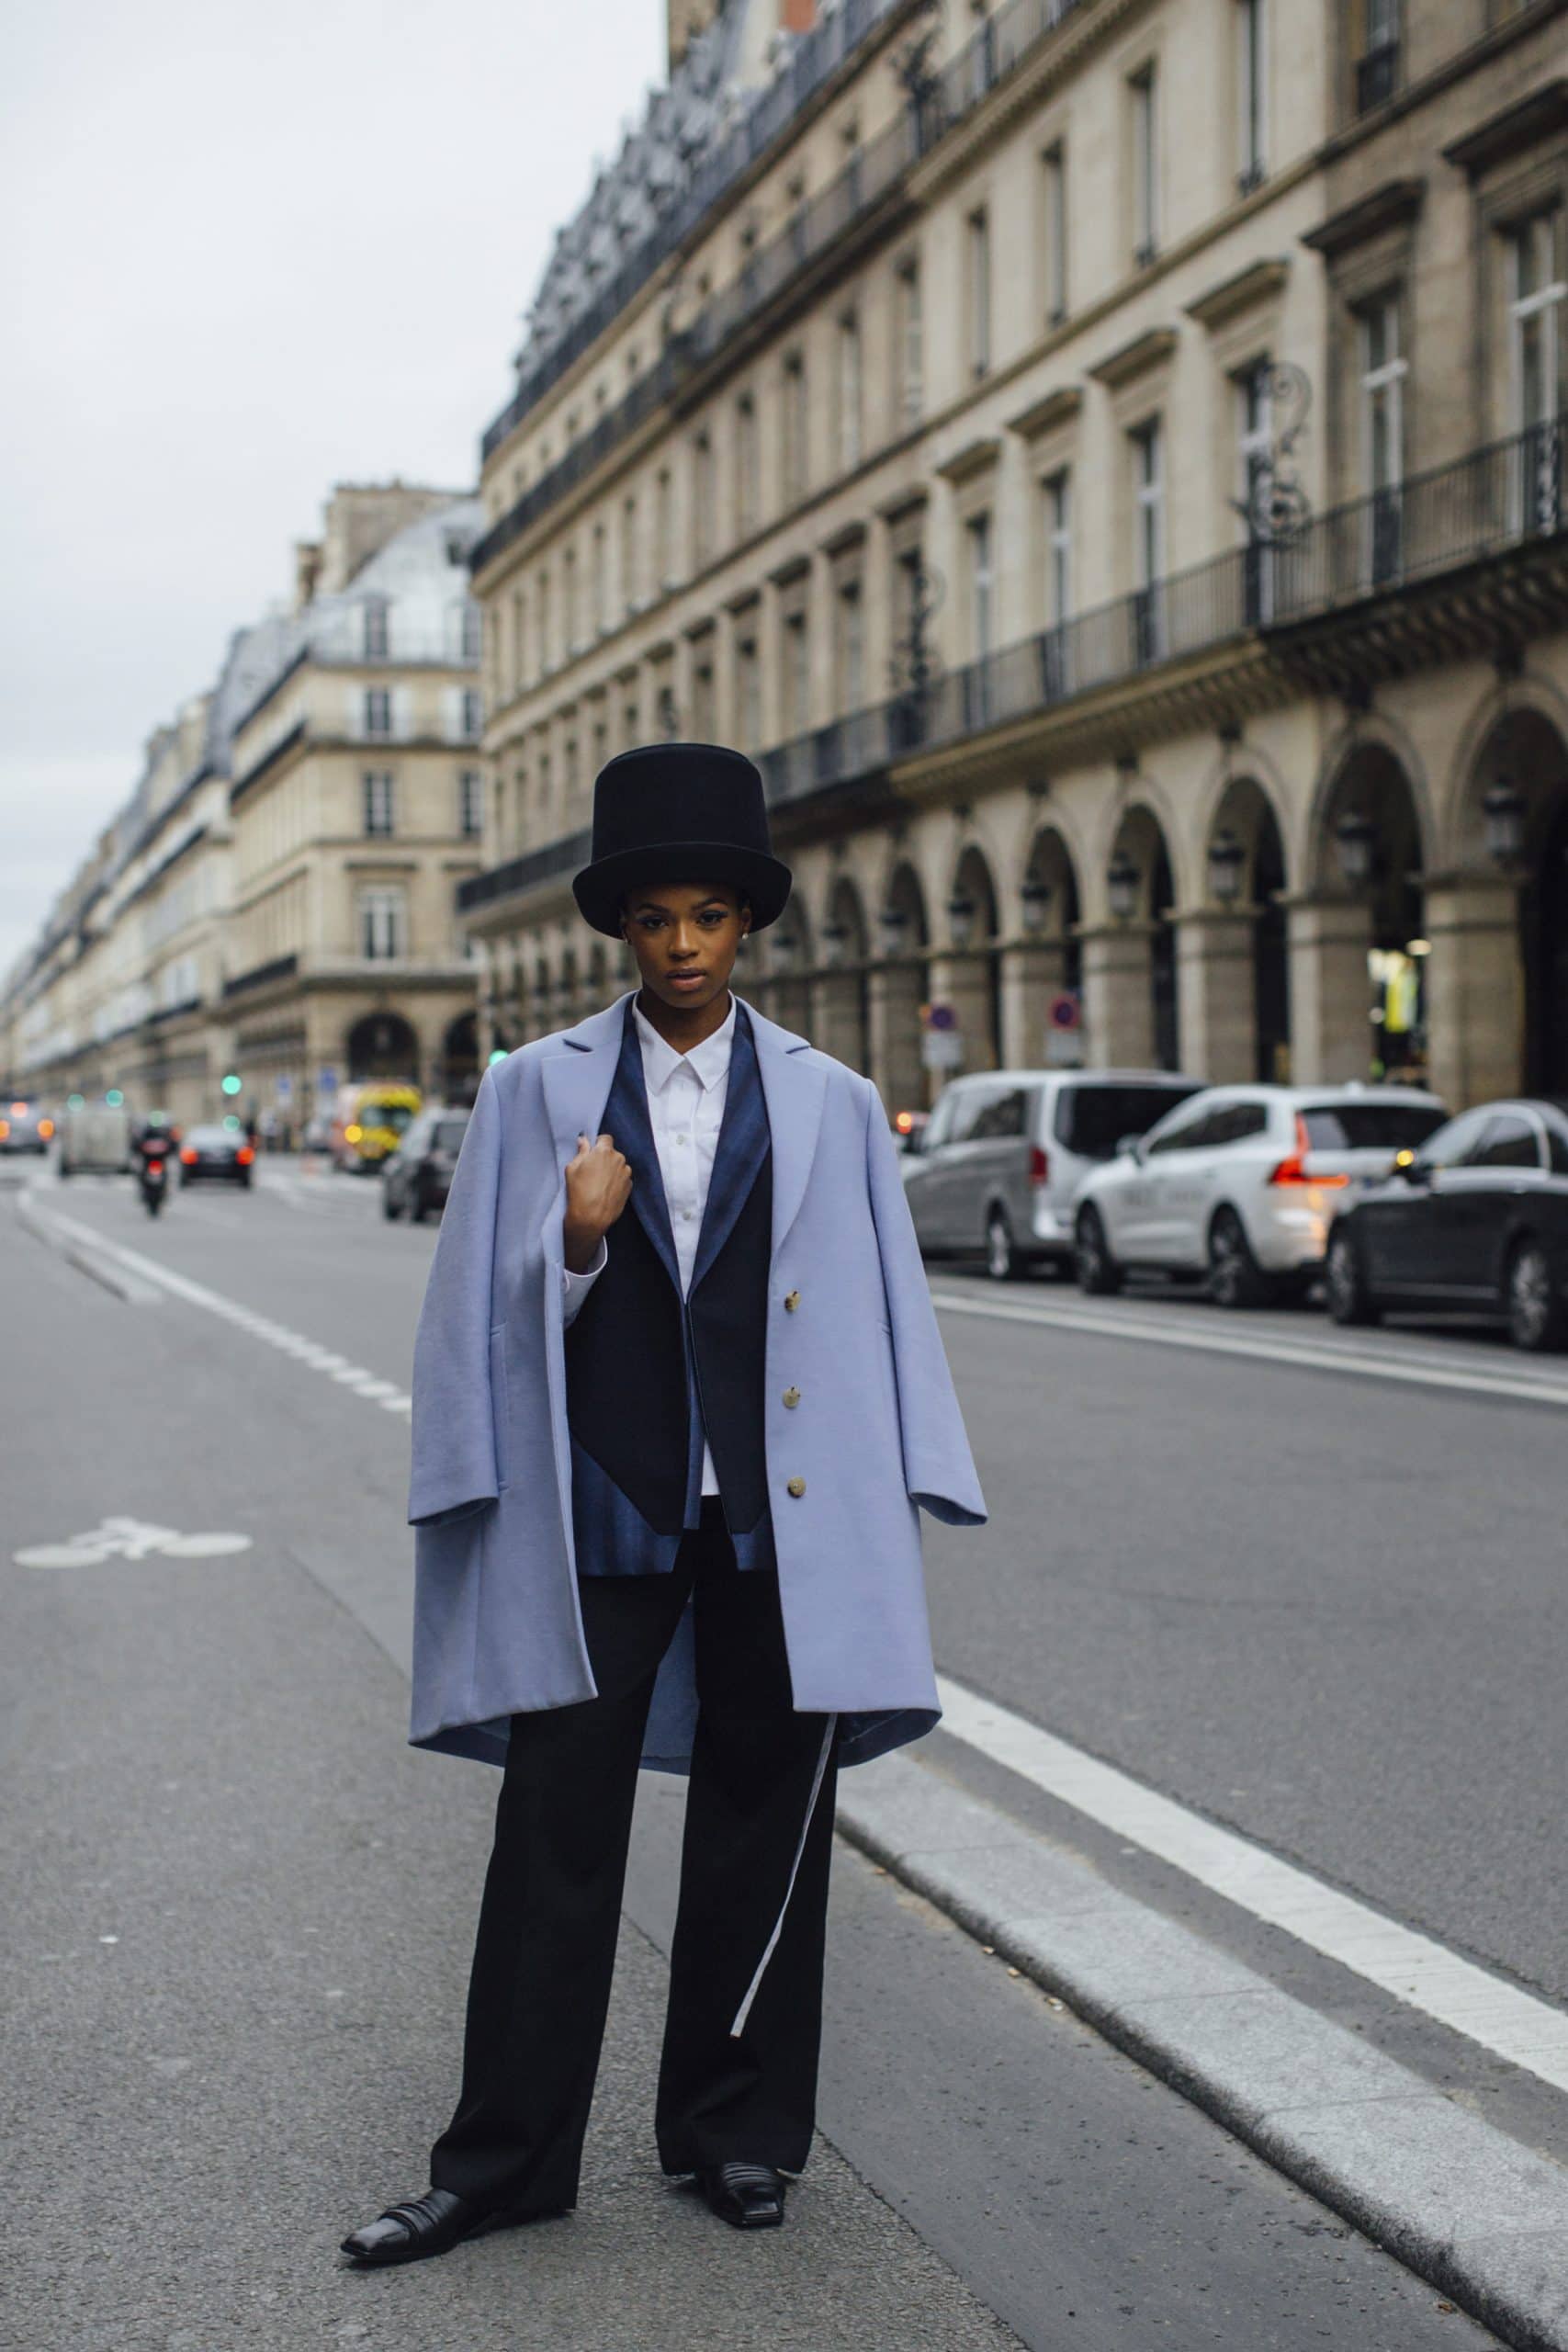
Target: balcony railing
(865, 184)
(815, 57)
(1498, 499)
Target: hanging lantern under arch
(1227, 867)
(1122, 881)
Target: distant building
(1105, 457)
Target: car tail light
(244, 1155)
(1294, 1170)
(1039, 1164)
(46, 1128)
(4, 1129)
(188, 1155)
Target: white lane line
(1278, 1352)
(1415, 1969)
(354, 1377)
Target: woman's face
(684, 936)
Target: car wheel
(419, 1207)
(1345, 1279)
(1098, 1273)
(1536, 1318)
(389, 1205)
(1236, 1278)
(1002, 1262)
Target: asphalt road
(1213, 1571)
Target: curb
(1479, 2216)
(127, 1287)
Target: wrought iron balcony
(1494, 503)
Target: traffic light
(498, 1056)
(231, 1082)
(114, 1098)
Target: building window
(664, 526)
(376, 801)
(849, 648)
(1252, 123)
(383, 924)
(631, 557)
(377, 617)
(909, 344)
(470, 630)
(1058, 491)
(1148, 536)
(797, 675)
(1377, 68)
(982, 586)
(1055, 169)
(470, 803)
(748, 692)
(701, 499)
(473, 712)
(542, 623)
(519, 640)
(794, 429)
(1383, 370)
(745, 466)
(1537, 306)
(1144, 95)
(849, 392)
(1254, 451)
(378, 711)
(980, 291)
(703, 702)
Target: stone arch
(843, 1026)
(1509, 909)
(1367, 863)
(1045, 961)
(970, 974)
(900, 986)
(1133, 1015)
(1145, 798)
(460, 1057)
(1238, 977)
(382, 1045)
(1364, 732)
(791, 952)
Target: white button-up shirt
(685, 1107)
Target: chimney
(307, 572)
(682, 18)
(797, 16)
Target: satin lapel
(625, 1115)
(794, 1086)
(742, 1149)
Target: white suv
(1241, 1184)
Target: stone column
(1216, 993)
(1118, 993)
(1475, 989)
(1033, 971)
(964, 981)
(898, 992)
(836, 1024)
(1331, 1038)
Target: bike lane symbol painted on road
(129, 1539)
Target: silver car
(996, 1168)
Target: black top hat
(680, 812)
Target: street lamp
(892, 923)
(1227, 864)
(835, 939)
(1503, 815)
(1034, 896)
(1122, 880)
(1353, 838)
(961, 918)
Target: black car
(1475, 1219)
(417, 1177)
(220, 1153)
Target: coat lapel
(742, 1146)
(580, 1081)
(794, 1085)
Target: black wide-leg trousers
(546, 1947)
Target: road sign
(284, 1085)
(1066, 1012)
(939, 1016)
(941, 1049)
(326, 1080)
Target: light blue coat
(876, 1432)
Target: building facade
(1105, 458)
(275, 902)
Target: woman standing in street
(679, 1396)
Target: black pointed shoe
(749, 2197)
(420, 2227)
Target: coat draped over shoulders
(875, 1432)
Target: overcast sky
(247, 252)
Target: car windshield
(395, 1116)
(1369, 1126)
(1091, 1120)
(212, 1140)
(449, 1135)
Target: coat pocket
(500, 1405)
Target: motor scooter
(153, 1179)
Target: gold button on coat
(792, 1397)
(792, 1300)
(797, 1486)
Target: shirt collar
(707, 1062)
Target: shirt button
(798, 1487)
(793, 1301)
(792, 1397)
(685, 1216)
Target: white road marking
(119, 1538)
(354, 1377)
(1510, 2023)
(1306, 1355)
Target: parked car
(417, 1177)
(1476, 1218)
(219, 1155)
(1241, 1185)
(25, 1127)
(995, 1169)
